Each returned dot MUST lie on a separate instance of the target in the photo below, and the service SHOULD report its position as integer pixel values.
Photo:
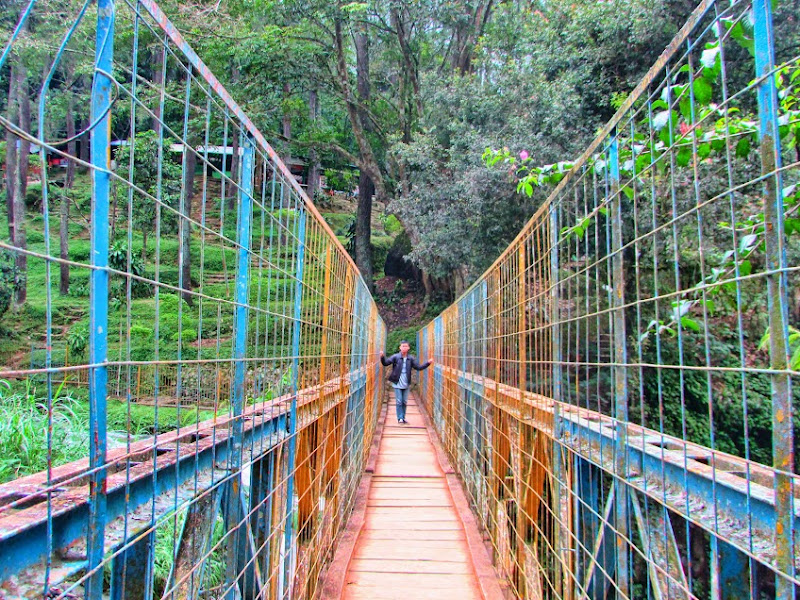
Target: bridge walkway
(416, 536)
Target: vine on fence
(680, 129)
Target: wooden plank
(382, 593)
(447, 536)
(411, 566)
(410, 581)
(391, 550)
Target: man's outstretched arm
(415, 364)
(385, 361)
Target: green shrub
(392, 225)
(35, 312)
(141, 333)
(78, 339)
(33, 195)
(339, 222)
(80, 250)
(35, 237)
(405, 333)
(81, 192)
(380, 250)
(8, 280)
(186, 336)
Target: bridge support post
(596, 561)
(98, 315)
(262, 494)
(559, 498)
(232, 503)
(297, 327)
(777, 294)
(729, 572)
(188, 568)
(131, 572)
(620, 372)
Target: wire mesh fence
(618, 390)
(194, 419)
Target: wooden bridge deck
(414, 541)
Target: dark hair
(404, 342)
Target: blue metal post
(729, 571)
(592, 533)
(620, 371)
(292, 444)
(777, 294)
(233, 504)
(98, 318)
(561, 538)
(131, 570)
(356, 383)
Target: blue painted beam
(21, 548)
(98, 315)
(652, 458)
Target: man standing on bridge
(400, 377)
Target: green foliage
(139, 419)
(341, 180)
(794, 347)
(146, 153)
(24, 424)
(33, 195)
(380, 250)
(9, 280)
(677, 402)
(394, 338)
(78, 339)
(391, 225)
(339, 222)
(118, 259)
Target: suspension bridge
(566, 443)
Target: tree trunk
(363, 247)
(114, 205)
(466, 38)
(63, 244)
(190, 163)
(63, 228)
(85, 145)
(428, 285)
(286, 121)
(20, 241)
(232, 188)
(24, 158)
(158, 79)
(314, 166)
(410, 63)
(366, 160)
(460, 276)
(366, 187)
(17, 175)
(11, 150)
